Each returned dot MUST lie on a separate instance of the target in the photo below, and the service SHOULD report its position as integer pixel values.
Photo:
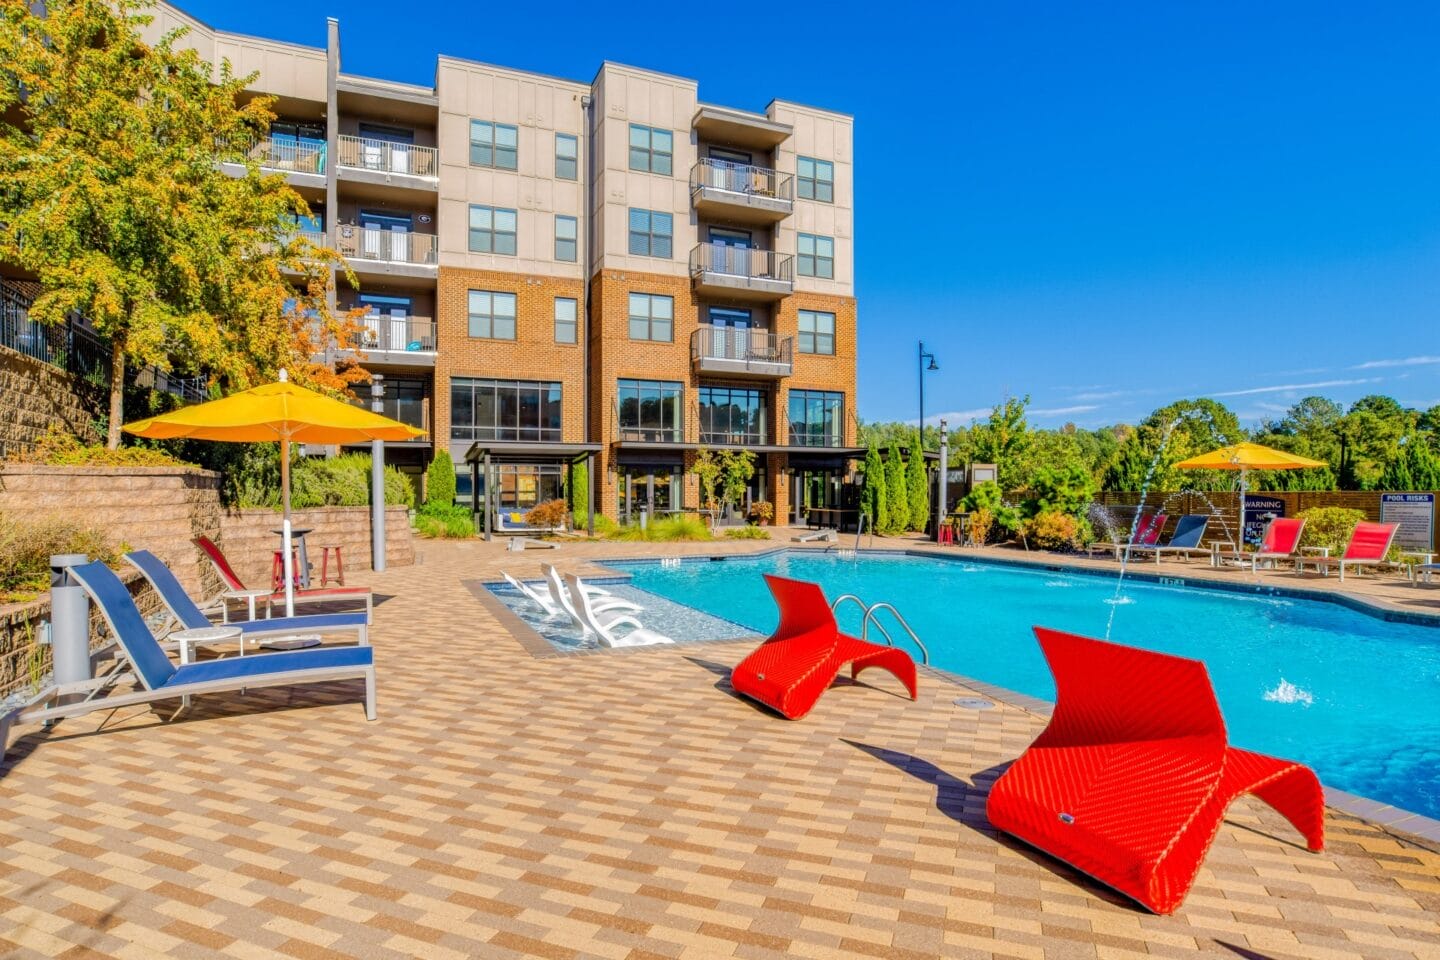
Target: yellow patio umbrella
(1245, 457)
(275, 411)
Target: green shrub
(580, 494)
(747, 533)
(686, 526)
(444, 521)
(1328, 527)
(987, 496)
(342, 481)
(60, 449)
(440, 479)
(27, 543)
(1068, 489)
(1055, 530)
(917, 488)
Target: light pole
(924, 355)
(377, 480)
(940, 488)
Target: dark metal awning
(530, 452)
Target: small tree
(580, 493)
(707, 470)
(736, 469)
(918, 488)
(873, 499)
(440, 480)
(896, 494)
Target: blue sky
(1106, 206)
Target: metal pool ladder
(871, 610)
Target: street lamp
(924, 355)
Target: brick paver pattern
(617, 805)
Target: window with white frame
(567, 319)
(491, 315)
(567, 156)
(816, 179)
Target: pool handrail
(868, 617)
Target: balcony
(371, 250)
(381, 163)
(302, 160)
(740, 352)
(741, 193)
(741, 273)
(395, 341)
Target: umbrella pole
(289, 565)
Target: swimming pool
(1354, 696)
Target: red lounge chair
(790, 670)
(232, 582)
(1147, 533)
(1281, 540)
(1369, 542)
(1129, 781)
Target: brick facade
(532, 355)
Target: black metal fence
(74, 347)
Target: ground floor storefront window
(520, 486)
(657, 489)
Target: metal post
(590, 481)
(69, 620)
(377, 479)
(940, 488)
(489, 501)
(920, 375)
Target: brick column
(779, 486)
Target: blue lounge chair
(1185, 541)
(191, 617)
(159, 679)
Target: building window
(817, 180)
(732, 415)
(493, 145)
(817, 256)
(492, 315)
(518, 410)
(651, 233)
(492, 230)
(520, 486)
(650, 410)
(652, 317)
(567, 156)
(566, 319)
(816, 418)
(651, 150)
(565, 232)
(817, 332)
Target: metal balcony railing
(393, 246)
(363, 153)
(742, 178)
(297, 156)
(746, 262)
(740, 344)
(380, 331)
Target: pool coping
(1381, 814)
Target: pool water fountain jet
(1215, 514)
(1118, 599)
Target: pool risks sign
(1260, 510)
(1415, 512)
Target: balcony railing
(392, 246)
(741, 178)
(404, 334)
(740, 350)
(384, 156)
(741, 262)
(733, 438)
(296, 156)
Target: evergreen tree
(440, 480)
(579, 494)
(1396, 475)
(872, 495)
(1424, 465)
(918, 488)
(896, 494)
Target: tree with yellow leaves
(112, 194)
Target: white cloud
(1282, 387)
(1405, 362)
(1062, 411)
(955, 418)
(1103, 395)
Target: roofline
(644, 70)
(807, 106)
(217, 31)
(389, 86)
(465, 62)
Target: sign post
(1415, 512)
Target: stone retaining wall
(250, 542)
(36, 396)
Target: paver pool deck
(620, 805)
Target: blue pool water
(1354, 696)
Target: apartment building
(558, 272)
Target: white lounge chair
(602, 601)
(551, 608)
(580, 607)
(554, 601)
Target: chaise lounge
(790, 670)
(159, 679)
(1184, 542)
(233, 583)
(1369, 542)
(1131, 778)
